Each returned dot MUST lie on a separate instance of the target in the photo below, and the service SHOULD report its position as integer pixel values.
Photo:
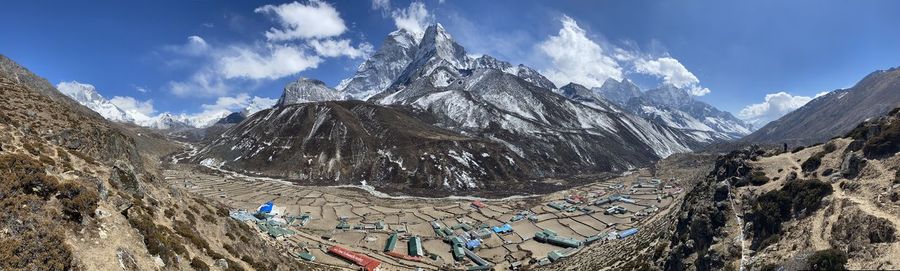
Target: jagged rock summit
(306, 90)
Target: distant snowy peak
(379, 71)
(522, 71)
(306, 90)
(587, 97)
(619, 92)
(258, 104)
(88, 96)
(676, 108)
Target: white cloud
(195, 46)
(383, 5)
(203, 83)
(275, 61)
(229, 102)
(577, 58)
(671, 71)
(775, 106)
(336, 48)
(414, 18)
(130, 104)
(317, 19)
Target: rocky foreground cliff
(80, 193)
(830, 206)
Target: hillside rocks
(855, 232)
(702, 218)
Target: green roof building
(415, 246)
(391, 243)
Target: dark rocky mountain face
(233, 118)
(306, 90)
(835, 113)
(353, 142)
(619, 92)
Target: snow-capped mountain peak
(87, 95)
(378, 72)
(675, 107)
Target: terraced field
(581, 219)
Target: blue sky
(739, 51)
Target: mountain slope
(834, 113)
(80, 193)
(353, 142)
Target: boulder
(124, 177)
(791, 176)
(855, 145)
(126, 260)
(222, 263)
(851, 165)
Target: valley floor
(328, 206)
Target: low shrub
(797, 198)
(169, 213)
(885, 143)
(22, 174)
(190, 216)
(159, 240)
(187, 231)
(798, 149)
(813, 163)
(829, 147)
(42, 247)
(758, 178)
(829, 259)
(231, 250)
(199, 265)
(77, 201)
